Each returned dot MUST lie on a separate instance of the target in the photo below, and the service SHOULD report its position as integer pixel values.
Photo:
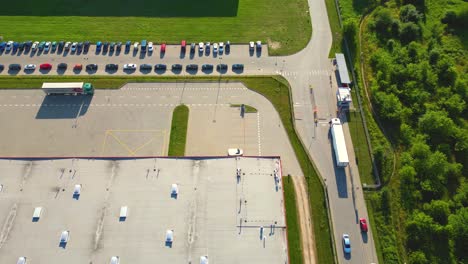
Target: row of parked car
(45, 46)
(126, 67)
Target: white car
(9, 45)
(150, 46)
(73, 46)
(34, 45)
(215, 47)
(204, 260)
(207, 46)
(115, 260)
(64, 237)
(235, 152)
(135, 45)
(67, 45)
(21, 260)
(251, 45)
(130, 66)
(47, 46)
(221, 47)
(169, 236)
(30, 67)
(200, 46)
(346, 244)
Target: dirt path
(307, 233)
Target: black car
(207, 67)
(192, 48)
(21, 46)
(112, 67)
(60, 46)
(62, 66)
(1, 67)
(119, 46)
(228, 46)
(237, 66)
(79, 47)
(162, 67)
(146, 67)
(91, 67)
(86, 46)
(27, 45)
(15, 67)
(177, 67)
(191, 67)
(127, 46)
(221, 67)
(105, 47)
(112, 46)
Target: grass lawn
(361, 149)
(276, 90)
(285, 24)
(248, 108)
(294, 232)
(179, 125)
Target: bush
(409, 32)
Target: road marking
(258, 135)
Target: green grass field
(285, 24)
(292, 220)
(276, 90)
(179, 125)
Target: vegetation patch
(161, 21)
(248, 108)
(292, 220)
(179, 125)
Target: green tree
(409, 13)
(409, 32)
(439, 210)
(437, 125)
(383, 19)
(390, 106)
(419, 229)
(459, 233)
(417, 257)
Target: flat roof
(342, 68)
(344, 94)
(61, 85)
(215, 214)
(338, 136)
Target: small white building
(343, 96)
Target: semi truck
(339, 144)
(73, 88)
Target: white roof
(344, 94)
(169, 236)
(174, 188)
(21, 260)
(204, 260)
(62, 85)
(338, 137)
(342, 68)
(64, 236)
(115, 260)
(77, 189)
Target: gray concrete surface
(214, 214)
(136, 120)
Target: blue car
(2, 45)
(98, 46)
(346, 244)
(15, 46)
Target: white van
(123, 212)
(169, 236)
(37, 213)
(115, 260)
(64, 237)
(174, 189)
(21, 260)
(135, 46)
(77, 190)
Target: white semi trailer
(339, 143)
(68, 88)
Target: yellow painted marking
(123, 144)
(104, 143)
(145, 144)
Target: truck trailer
(339, 143)
(74, 88)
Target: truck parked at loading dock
(339, 143)
(73, 88)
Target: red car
(363, 224)
(78, 67)
(183, 44)
(163, 47)
(45, 66)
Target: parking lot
(254, 61)
(135, 121)
(214, 213)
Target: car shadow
(237, 71)
(365, 237)
(64, 106)
(63, 245)
(160, 71)
(162, 54)
(28, 72)
(221, 71)
(44, 71)
(176, 71)
(13, 72)
(145, 71)
(207, 71)
(61, 71)
(259, 53)
(182, 54)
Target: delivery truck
(339, 144)
(73, 88)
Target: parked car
(34, 45)
(15, 67)
(86, 46)
(130, 66)
(221, 47)
(45, 66)
(73, 46)
(127, 46)
(207, 46)
(192, 48)
(61, 44)
(112, 46)
(2, 67)
(346, 244)
(191, 67)
(177, 67)
(91, 67)
(112, 67)
(54, 45)
(221, 67)
(62, 66)
(15, 46)
(160, 67)
(259, 45)
(163, 47)
(29, 67)
(215, 47)
(200, 46)
(79, 47)
(41, 45)
(183, 45)
(9, 45)
(98, 46)
(21, 46)
(2, 45)
(146, 67)
(237, 66)
(251, 45)
(78, 67)
(47, 46)
(228, 46)
(150, 47)
(135, 46)
(363, 225)
(105, 46)
(67, 45)
(119, 46)
(235, 152)
(207, 67)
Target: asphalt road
(310, 74)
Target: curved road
(311, 75)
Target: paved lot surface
(214, 214)
(136, 120)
